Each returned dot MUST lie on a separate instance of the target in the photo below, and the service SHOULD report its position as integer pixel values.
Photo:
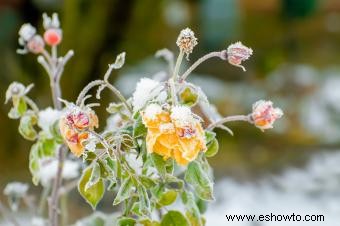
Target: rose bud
(53, 36)
(237, 53)
(264, 114)
(36, 44)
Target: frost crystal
(47, 118)
(27, 31)
(152, 110)
(182, 115)
(17, 189)
(186, 41)
(146, 90)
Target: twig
(229, 119)
(219, 54)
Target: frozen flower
(47, 118)
(186, 41)
(17, 189)
(178, 135)
(27, 31)
(17, 90)
(36, 44)
(48, 169)
(74, 126)
(30, 41)
(237, 53)
(53, 34)
(264, 114)
(146, 90)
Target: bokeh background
(296, 58)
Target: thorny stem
(246, 118)
(54, 69)
(220, 54)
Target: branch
(229, 119)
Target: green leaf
(126, 221)
(26, 128)
(209, 136)
(21, 106)
(34, 163)
(200, 181)
(193, 212)
(159, 163)
(144, 201)
(174, 218)
(147, 222)
(93, 194)
(188, 96)
(212, 148)
(139, 128)
(95, 176)
(47, 147)
(168, 198)
(147, 181)
(124, 191)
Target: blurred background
(296, 44)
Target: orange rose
(74, 126)
(177, 135)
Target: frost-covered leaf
(200, 181)
(139, 128)
(95, 176)
(26, 128)
(147, 222)
(124, 191)
(188, 96)
(120, 60)
(115, 108)
(159, 164)
(212, 148)
(209, 136)
(144, 201)
(174, 218)
(126, 221)
(168, 198)
(93, 194)
(34, 163)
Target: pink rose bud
(264, 114)
(237, 53)
(81, 120)
(53, 36)
(36, 44)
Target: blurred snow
(311, 190)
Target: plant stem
(43, 199)
(219, 54)
(175, 78)
(229, 119)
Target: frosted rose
(264, 114)
(74, 128)
(237, 53)
(180, 138)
